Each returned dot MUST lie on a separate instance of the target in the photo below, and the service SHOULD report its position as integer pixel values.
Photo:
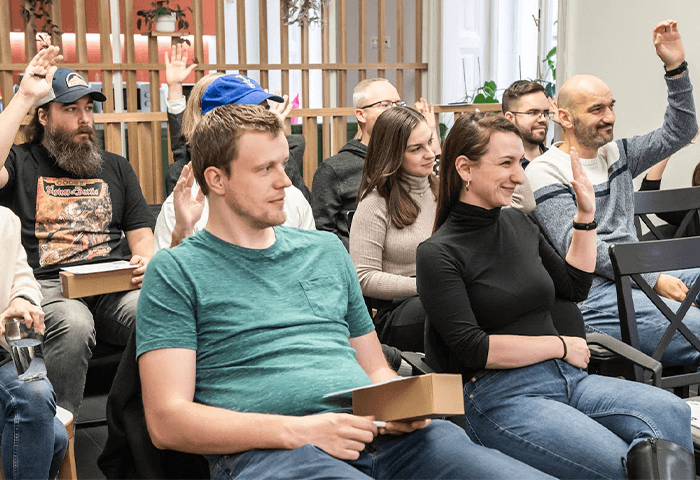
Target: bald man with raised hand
(587, 117)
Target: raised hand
(583, 189)
(668, 44)
(428, 111)
(39, 73)
(282, 110)
(188, 208)
(176, 70)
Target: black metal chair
(680, 208)
(632, 260)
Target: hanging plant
(303, 12)
(39, 10)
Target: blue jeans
(73, 326)
(33, 439)
(559, 419)
(600, 312)
(441, 450)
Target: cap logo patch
(245, 80)
(75, 80)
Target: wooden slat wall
(144, 128)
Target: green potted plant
(163, 17)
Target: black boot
(658, 459)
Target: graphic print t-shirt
(68, 220)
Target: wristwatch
(676, 71)
(585, 226)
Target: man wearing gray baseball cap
(75, 202)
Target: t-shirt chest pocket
(327, 296)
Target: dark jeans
(442, 450)
(33, 439)
(72, 328)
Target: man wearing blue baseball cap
(75, 202)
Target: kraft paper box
(433, 395)
(97, 279)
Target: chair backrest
(630, 261)
(684, 201)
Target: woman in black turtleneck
(487, 280)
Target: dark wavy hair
(382, 168)
(470, 137)
(34, 132)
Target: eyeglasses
(537, 114)
(385, 104)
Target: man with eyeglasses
(526, 105)
(586, 115)
(337, 179)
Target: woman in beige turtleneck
(395, 212)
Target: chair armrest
(626, 351)
(417, 361)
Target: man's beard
(83, 158)
(534, 138)
(591, 137)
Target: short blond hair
(193, 110)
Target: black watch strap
(586, 226)
(678, 70)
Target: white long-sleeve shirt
(296, 207)
(16, 276)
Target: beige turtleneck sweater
(385, 256)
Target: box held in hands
(96, 279)
(433, 395)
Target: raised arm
(680, 123)
(428, 111)
(35, 84)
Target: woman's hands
(577, 352)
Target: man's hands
(39, 74)
(583, 189)
(343, 435)
(20, 308)
(668, 44)
(188, 209)
(577, 352)
(176, 70)
(140, 271)
(671, 287)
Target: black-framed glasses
(536, 114)
(385, 104)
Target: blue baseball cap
(234, 88)
(67, 87)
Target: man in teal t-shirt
(245, 326)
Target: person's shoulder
(314, 239)
(8, 217)
(294, 194)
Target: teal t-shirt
(270, 327)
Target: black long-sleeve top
(491, 272)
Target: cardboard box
(105, 280)
(433, 395)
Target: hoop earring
(466, 187)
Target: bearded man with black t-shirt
(75, 202)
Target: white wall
(613, 40)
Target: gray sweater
(611, 173)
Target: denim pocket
(327, 296)
(487, 379)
